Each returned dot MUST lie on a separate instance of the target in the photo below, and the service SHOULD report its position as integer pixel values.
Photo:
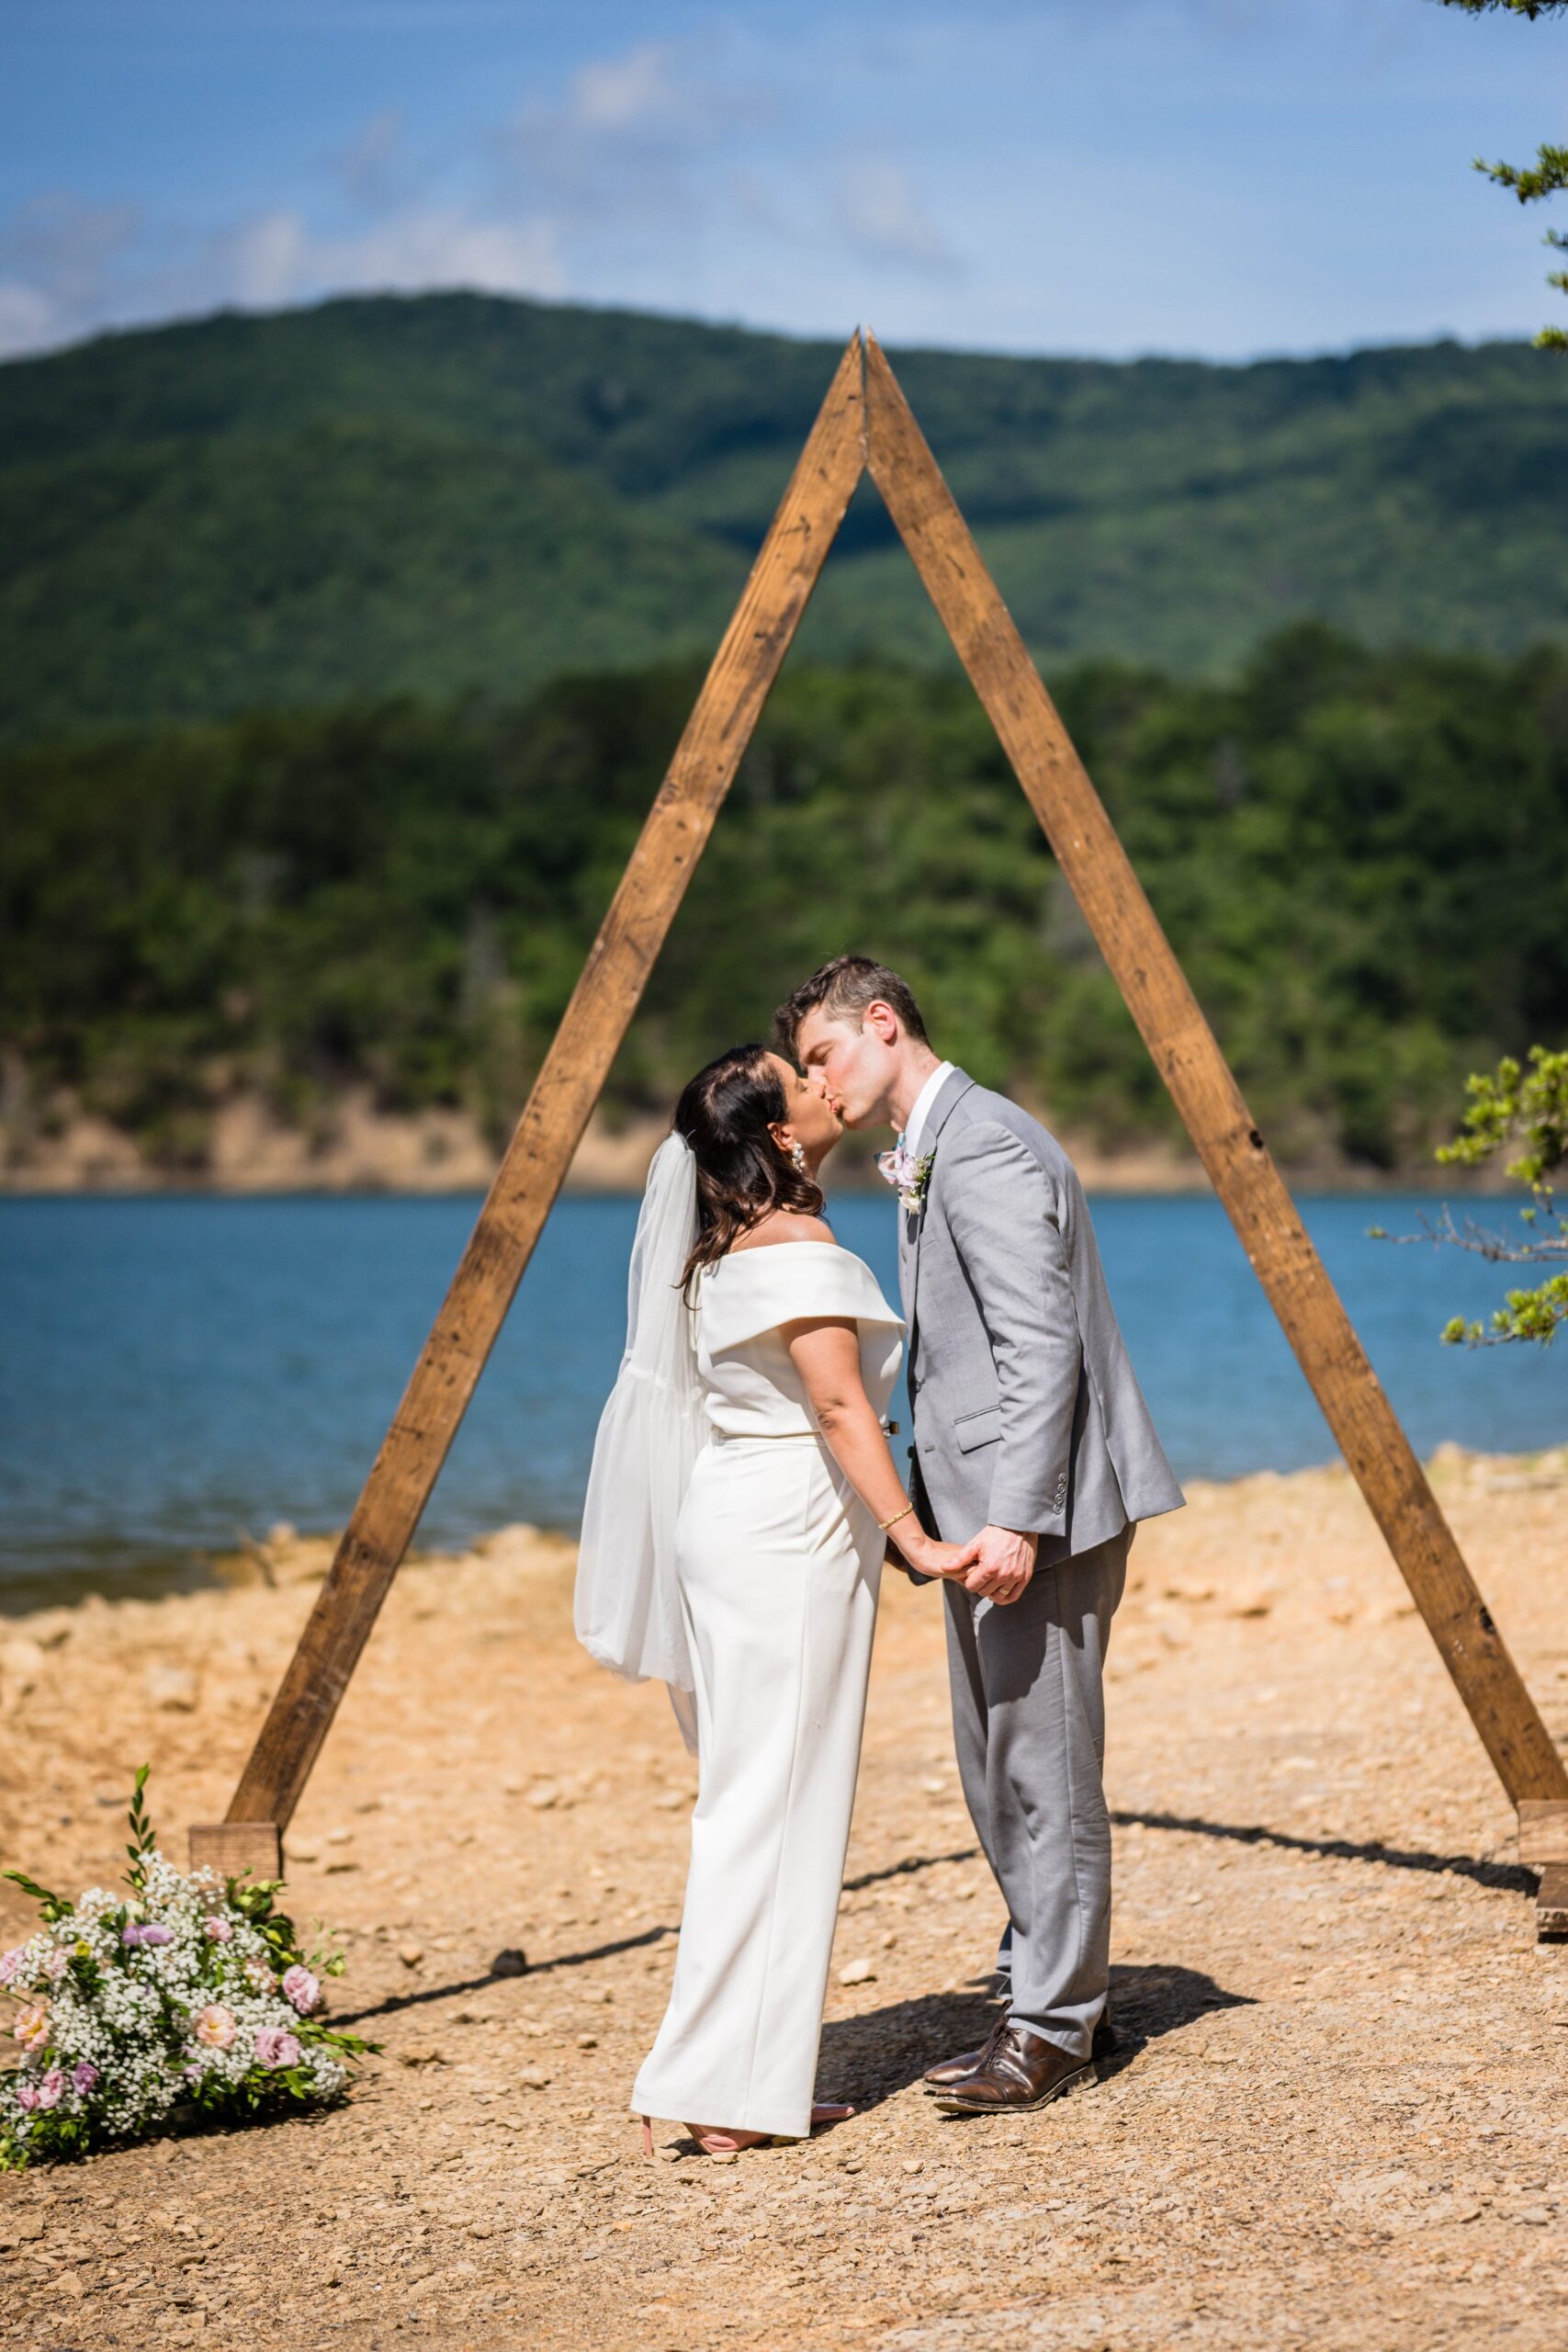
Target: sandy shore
(1339, 2117)
(353, 1147)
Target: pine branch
(1531, 8)
(1547, 177)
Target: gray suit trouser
(1028, 1726)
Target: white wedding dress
(778, 1566)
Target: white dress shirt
(921, 1111)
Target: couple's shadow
(872, 2057)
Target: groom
(1029, 1426)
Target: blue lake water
(174, 1371)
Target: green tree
(1548, 176)
(1510, 1105)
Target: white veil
(627, 1606)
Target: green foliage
(143, 1840)
(53, 1906)
(1524, 1315)
(1510, 1105)
(1548, 176)
(1531, 8)
(1356, 857)
(461, 494)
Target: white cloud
(372, 167)
(28, 320)
(617, 93)
(878, 210)
(70, 242)
(440, 247)
(60, 254)
(72, 272)
(261, 263)
(617, 115)
(278, 258)
(628, 137)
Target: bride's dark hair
(725, 1113)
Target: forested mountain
(455, 492)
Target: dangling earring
(797, 1159)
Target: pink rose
(276, 2047)
(26, 2097)
(217, 1930)
(50, 2087)
(31, 2028)
(216, 2025)
(303, 1989)
(11, 1963)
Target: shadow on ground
(872, 2057)
(944, 2023)
(1511, 1878)
(423, 1995)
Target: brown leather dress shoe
(969, 2061)
(1022, 2072)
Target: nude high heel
(716, 2143)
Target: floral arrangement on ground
(186, 1999)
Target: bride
(739, 1500)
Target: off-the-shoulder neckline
(771, 1249)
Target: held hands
(996, 1564)
(927, 1554)
(1003, 1564)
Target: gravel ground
(1337, 2116)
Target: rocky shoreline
(353, 1147)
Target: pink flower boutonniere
(907, 1175)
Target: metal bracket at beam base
(1552, 1905)
(1543, 1847)
(232, 1848)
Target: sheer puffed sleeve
(753, 1291)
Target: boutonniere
(907, 1175)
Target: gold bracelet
(884, 1524)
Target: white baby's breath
(111, 1997)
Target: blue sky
(1217, 177)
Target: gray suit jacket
(1026, 1412)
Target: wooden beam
(557, 1110)
(231, 1848)
(1189, 1060)
(1543, 1833)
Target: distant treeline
(1360, 858)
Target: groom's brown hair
(846, 984)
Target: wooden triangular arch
(866, 424)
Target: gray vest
(1026, 1411)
